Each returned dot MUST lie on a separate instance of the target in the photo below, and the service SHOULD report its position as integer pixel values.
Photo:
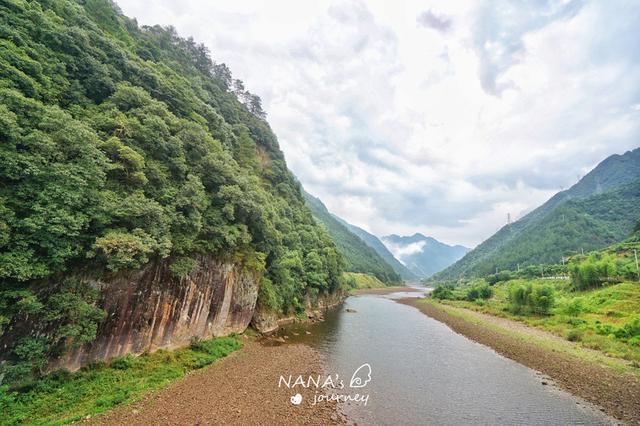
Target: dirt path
(618, 394)
(239, 390)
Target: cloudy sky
(437, 117)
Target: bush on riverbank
(64, 397)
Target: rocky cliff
(151, 309)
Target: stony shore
(239, 390)
(618, 394)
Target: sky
(439, 117)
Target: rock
(295, 334)
(134, 412)
(544, 383)
(307, 332)
(279, 339)
(352, 311)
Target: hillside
(423, 256)
(126, 150)
(358, 256)
(375, 243)
(598, 210)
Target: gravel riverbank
(239, 390)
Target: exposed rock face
(151, 309)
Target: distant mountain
(602, 208)
(423, 256)
(359, 257)
(373, 242)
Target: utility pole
(635, 253)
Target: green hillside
(375, 243)
(122, 145)
(358, 256)
(597, 211)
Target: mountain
(423, 256)
(137, 173)
(375, 243)
(599, 210)
(359, 257)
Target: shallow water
(424, 373)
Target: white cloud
(433, 117)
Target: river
(424, 373)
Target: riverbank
(241, 389)
(385, 290)
(599, 379)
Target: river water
(424, 373)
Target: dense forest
(122, 145)
(358, 256)
(599, 210)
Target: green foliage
(68, 318)
(358, 256)
(358, 280)
(183, 266)
(62, 397)
(443, 292)
(531, 298)
(479, 291)
(124, 145)
(603, 318)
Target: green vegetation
(600, 210)
(62, 397)
(597, 304)
(357, 280)
(358, 256)
(375, 243)
(124, 145)
(604, 318)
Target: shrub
(574, 335)
(532, 298)
(541, 299)
(443, 292)
(479, 291)
(575, 307)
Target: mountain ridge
(375, 243)
(611, 174)
(427, 256)
(358, 256)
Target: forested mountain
(359, 257)
(423, 256)
(122, 145)
(599, 210)
(375, 243)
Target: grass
(64, 397)
(363, 281)
(550, 344)
(605, 318)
